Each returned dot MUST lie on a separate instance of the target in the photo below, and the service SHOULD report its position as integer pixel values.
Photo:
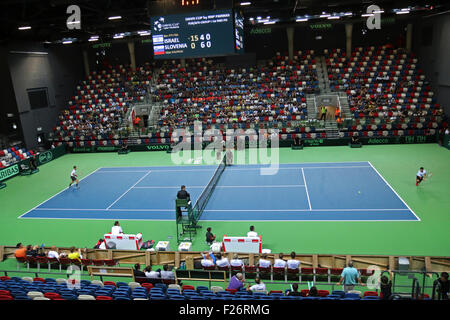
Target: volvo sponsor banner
(141, 147)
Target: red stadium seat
(371, 293)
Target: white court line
(57, 194)
(199, 187)
(418, 219)
(121, 171)
(300, 210)
(213, 167)
(230, 169)
(223, 210)
(145, 175)
(306, 188)
(201, 220)
(83, 209)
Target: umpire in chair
(182, 194)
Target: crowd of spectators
(214, 94)
(97, 110)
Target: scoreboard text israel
(209, 33)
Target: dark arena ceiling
(45, 21)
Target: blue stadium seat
(352, 295)
(371, 298)
(339, 293)
(202, 288)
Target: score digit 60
(203, 38)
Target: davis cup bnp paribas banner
(9, 172)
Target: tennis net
(202, 201)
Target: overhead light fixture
(245, 3)
(403, 11)
(334, 17)
(24, 28)
(348, 14)
(67, 42)
(301, 20)
(324, 15)
(73, 22)
(93, 39)
(269, 22)
(379, 11)
(367, 15)
(118, 36)
(114, 17)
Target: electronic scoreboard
(199, 34)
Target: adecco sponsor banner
(9, 172)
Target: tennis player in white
(74, 176)
(420, 175)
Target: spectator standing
(209, 236)
(443, 285)
(349, 277)
(386, 286)
(323, 115)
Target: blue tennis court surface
(348, 191)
